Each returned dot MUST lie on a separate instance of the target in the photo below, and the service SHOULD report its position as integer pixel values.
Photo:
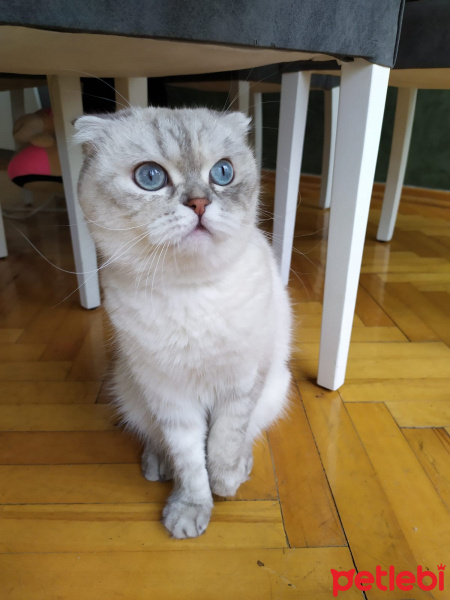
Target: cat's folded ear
(88, 128)
(238, 121)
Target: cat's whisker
(154, 255)
(146, 251)
(255, 83)
(144, 269)
(93, 272)
(160, 249)
(301, 281)
(108, 262)
(114, 257)
(89, 220)
(78, 72)
(165, 248)
(103, 98)
(303, 254)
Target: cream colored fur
(201, 317)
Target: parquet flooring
(351, 479)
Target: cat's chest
(210, 324)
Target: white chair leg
(258, 128)
(65, 93)
(331, 98)
(404, 117)
(131, 90)
(17, 104)
(361, 107)
(17, 111)
(240, 96)
(3, 246)
(291, 132)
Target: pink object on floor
(32, 160)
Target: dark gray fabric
(340, 28)
(425, 37)
(268, 74)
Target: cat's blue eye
(222, 172)
(150, 176)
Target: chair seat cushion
(425, 37)
(340, 28)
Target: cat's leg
(188, 509)
(135, 413)
(229, 449)
(235, 426)
(155, 463)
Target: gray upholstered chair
(153, 38)
(423, 62)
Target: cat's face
(185, 177)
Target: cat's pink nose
(198, 205)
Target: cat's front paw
(225, 481)
(154, 468)
(185, 519)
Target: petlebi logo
(388, 580)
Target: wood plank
(21, 352)
(253, 574)
(19, 315)
(78, 484)
(49, 392)
(421, 244)
(309, 513)
(363, 506)
(432, 448)
(436, 317)
(405, 318)
(261, 485)
(359, 334)
(10, 335)
(419, 509)
(420, 413)
(71, 447)
(395, 390)
(386, 360)
(413, 265)
(46, 321)
(126, 527)
(91, 361)
(415, 278)
(370, 312)
(69, 336)
(441, 299)
(34, 371)
(377, 334)
(51, 417)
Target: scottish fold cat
(202, 320)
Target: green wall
(429, 157)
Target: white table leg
(331, 106)
(404, 117)
(291, 132)
(361, 107)
(131, 90)
(258, 128)
(65, 93)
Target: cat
(201, 317)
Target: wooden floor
(352, 479)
